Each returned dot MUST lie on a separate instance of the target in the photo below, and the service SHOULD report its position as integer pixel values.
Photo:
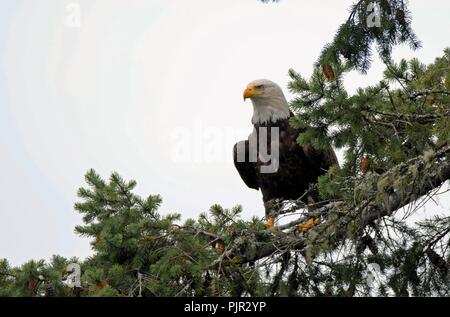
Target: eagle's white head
(269, 103)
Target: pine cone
(437, 261)
(100, 285)
(32, 283)
(328, 71)
(400, 17)
(220, 246)
(364, 166)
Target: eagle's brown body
(299, 166)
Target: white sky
(136, 85)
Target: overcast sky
(150, 89)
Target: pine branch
(421, 118)
(427, 93)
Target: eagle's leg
(270, 222)
(312, 199)
(270, 214)
(309, 224)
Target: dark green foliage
(35, 278)
(130, 238)
(178, 259)
(353, 42)
(404, 116)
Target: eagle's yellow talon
(270, 222)
(309, 224)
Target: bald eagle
(295, 167)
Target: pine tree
(395, 138)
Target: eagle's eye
(259, 87)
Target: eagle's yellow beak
(250, 92)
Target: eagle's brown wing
(246, 169)
(322, 159)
